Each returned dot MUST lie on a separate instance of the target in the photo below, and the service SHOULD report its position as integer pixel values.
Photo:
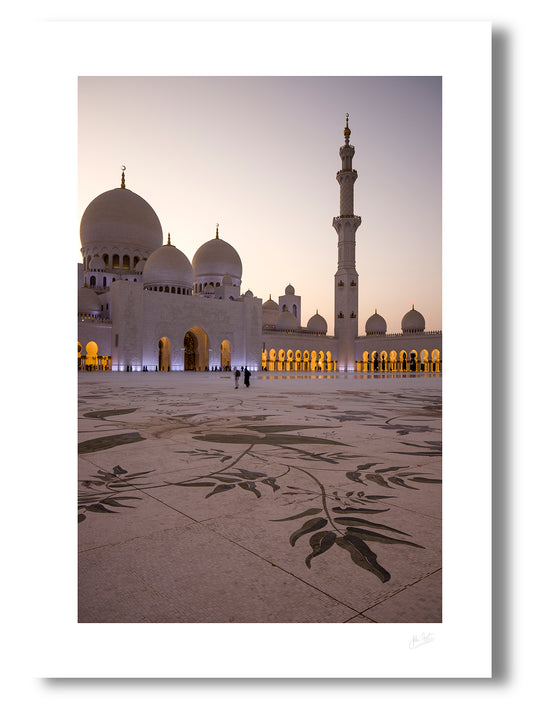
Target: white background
(41, 197)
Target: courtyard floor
(305, 498)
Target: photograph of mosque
(287, 228)
(144, 306)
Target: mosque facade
(143, 306)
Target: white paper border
(460, 52)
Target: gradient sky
(260, 155)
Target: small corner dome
(376, 325)
(139, 267)
(217, 258)
(168, 265)
(413, 321)
(270, 305)
(249, 293)
(287, 321)
(227, 280)
(88, 301)
(96, 263)
(289, 290)
(317, 323)
(121, 217)
(209, 289)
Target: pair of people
(237, 376)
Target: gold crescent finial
(217, 232)
(168, 241)
(347, 131)
(123, 180)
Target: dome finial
(347, 131)
(123, 179)
(168, 241)
(216, 237)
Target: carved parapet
(342, 221)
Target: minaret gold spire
(216, 237)
(123, 179)
(168, 241)
(347, 131)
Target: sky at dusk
(259, 156)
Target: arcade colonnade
(193, 354)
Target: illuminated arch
(196, 352)
(290, 360)
(272, 360)
(91, 355)
(366, 362)
(329, 363)
(164, 354)
(298, 360)
(435, 360)
(225, 355)
(314, 364)
(281, 360)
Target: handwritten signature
(423, 639)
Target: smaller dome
(139, 267)
(209, 289)
(270, 305)
(376, 325)
(287, 321)
(168, 266)
(227, 280)
(289, 290)
(317, 323)
(88, 301)
(248, 293)
(413, 321)
(96, 263)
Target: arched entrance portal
(225, 355)
(196, 352)
(91, 358)
(164, 354)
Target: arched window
(126, 261)
(105, 257)
(295, 310)
(116, 263)
(92, 281)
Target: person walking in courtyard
(247, 376)
(237, 375)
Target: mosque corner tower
(346, 278)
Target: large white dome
(376, 325)
(413, 321)
(217, 258)
(120, 217)
(317, 323)
(167, 266)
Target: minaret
(346, 278)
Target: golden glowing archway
(91, 354)
(225, 355)
(164, 355)
(196, 344)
